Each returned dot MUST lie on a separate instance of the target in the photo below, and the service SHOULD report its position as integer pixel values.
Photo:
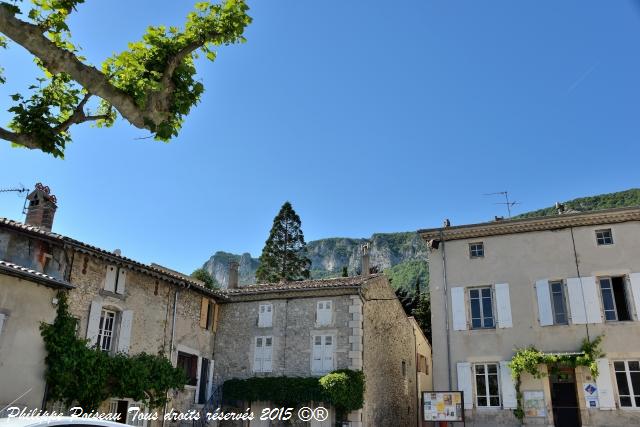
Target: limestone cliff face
(329, 256)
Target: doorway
(564, 397)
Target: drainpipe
(584, 303)
(446, 309)
(173, 331)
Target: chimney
(233, 275)
(41, 207)
(365, 260)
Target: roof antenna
(509, 204)
(22, 189)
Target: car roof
(55, 421)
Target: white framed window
(604, 237)
(615, 301)
(265, 315)
(558, 303)
(487, 384)
(106, 330)
(628, 380)
(476, 250)
(263, 353)
(322, 355)
(481, 307)
(324, 310)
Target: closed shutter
(265, 316)
(122, 281)
(2, 316)
(257, 355)
(605, 385)
(317, 354)
(111, 278)
(204, 309)
(634, 278)
(216, 311)
(323, 312)
(124, 338)
(458, 309)
(591, 300)
(93, 325)
(267, 354)
(464, 383)
(503, 304)
(576, 303)
(327, 359)
(545, 313)
(507, 386)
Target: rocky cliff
(329, 256)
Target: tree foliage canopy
(152, 84)
(284, 254)
(206, 277)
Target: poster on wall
(442, 406)
(591, 395)
(534, 404)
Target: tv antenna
(22, 189)
(509, 204)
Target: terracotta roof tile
(303, 285)
(16, 269)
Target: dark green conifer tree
(284, 255)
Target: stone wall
(389, 343)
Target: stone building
(312, 327)
(547, 282)
(121, 306)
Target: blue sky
(369, 116)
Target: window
(404, 368)
(105, 330)
(614, 299)
(322, 355)
(208, 314)
(263, 353)
(604, 237)
(323, 313)
(476, 250)
(487, 389)
(558, 303)
(189, 364)
(2, 317)
(481, 308)
(628, 379)
(422, 364)
(265, 316)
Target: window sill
(105, 293)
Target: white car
(56, 421)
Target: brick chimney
(365, 260)
(233, 275)
(41, 207)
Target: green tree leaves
(284, 254)
(206, 277)
(152, 84)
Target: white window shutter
(507, 386)
(93, 325)
(257, 355)
(591, 300)
(464, 383)
(122, 280)
(545, 313)
(267, 355)
(634, 278)
(327, 359)
(265, 316)
(458, 309)
(503, 304)
(2, 317)
(317, 354)
(111, 278)
(323, 312)
(605, 385)
(576, 303)
(124, 338)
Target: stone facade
(520, 261)
(369, 331)
(143, 303)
